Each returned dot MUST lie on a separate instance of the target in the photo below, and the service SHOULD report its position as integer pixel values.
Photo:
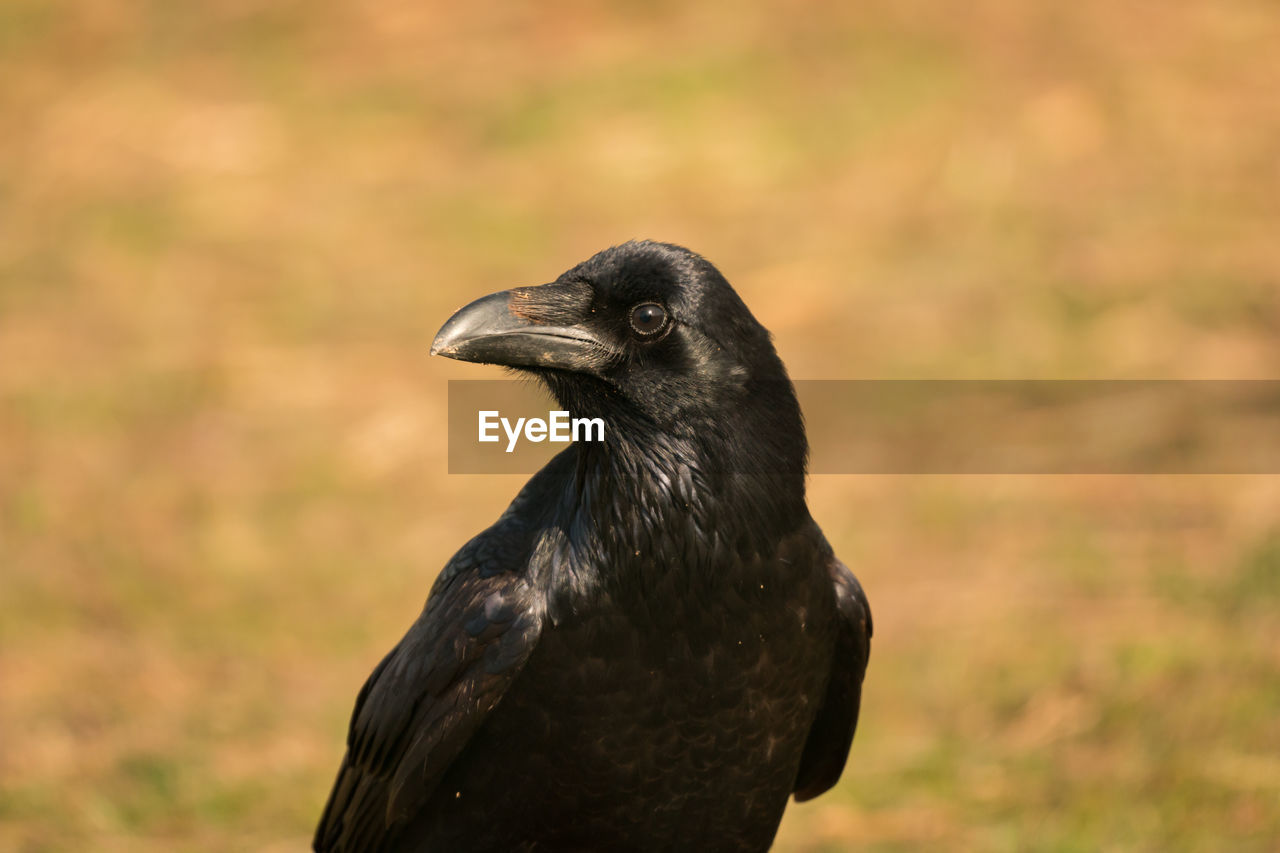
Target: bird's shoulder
(833, 728)
(422, 703)
(851, 602)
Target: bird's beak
(504, 328)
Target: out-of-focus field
(229, 230)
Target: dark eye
(648, 318)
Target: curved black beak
(489, 331)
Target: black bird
(654, 646)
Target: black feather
(654, 646)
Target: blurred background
(229, 230)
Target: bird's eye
(648, 318)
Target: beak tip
(444, 343)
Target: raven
(654, 646)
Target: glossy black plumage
(654, 646)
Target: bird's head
(645, 333)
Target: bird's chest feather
(679, 667)
(693, 643)
(702, 677)
(666, 701)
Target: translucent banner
(936, 426)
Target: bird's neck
(666, 499)
(689, 497)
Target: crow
(654, 646)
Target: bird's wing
(830, 736)
(429, 695)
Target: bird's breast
(657, 705)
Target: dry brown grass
(228, 231)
